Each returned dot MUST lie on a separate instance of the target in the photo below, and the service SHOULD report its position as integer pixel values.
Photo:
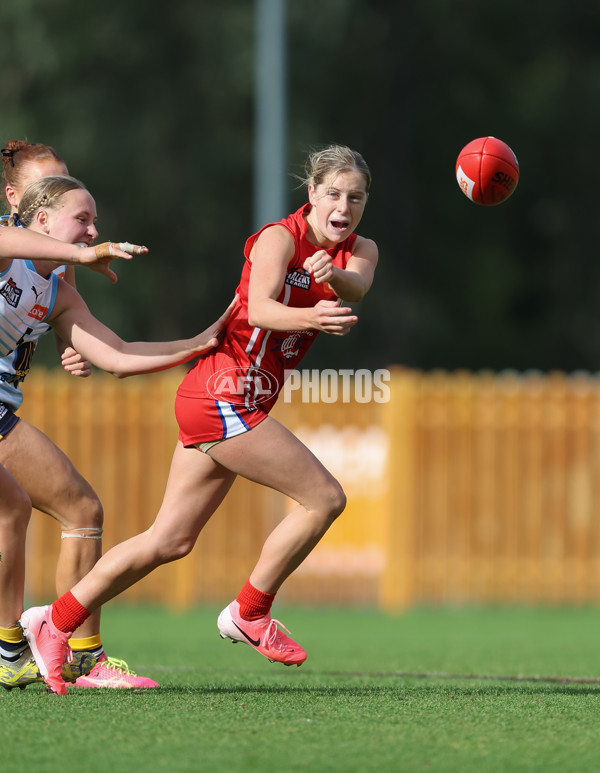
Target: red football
(487, 171)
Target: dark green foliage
(152, 106)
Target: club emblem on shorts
(242, 386)
(11, 293)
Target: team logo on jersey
(38, 311)
(289, 346)
(242, 386)
(292, 345)
(298, 278)
(11, 293)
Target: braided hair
(45, 193)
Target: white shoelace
(272, 632)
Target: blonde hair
(332, 160)
(45, 193)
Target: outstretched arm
(21, 243)
(74, 322)
(71, 360)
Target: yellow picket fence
(462, 488)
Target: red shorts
(202, 420)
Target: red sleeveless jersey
(249, 367)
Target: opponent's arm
(21, 243)
(74, 322)
(270, 258)
(71, 360)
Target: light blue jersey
(20, 333)
(26, 299)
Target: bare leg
(56, 488)
(195, 488)
(268, 454)
(15, 511)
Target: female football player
(294, 276)
(24, 162)
(59, 207)
(71, 500)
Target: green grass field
(430, 690)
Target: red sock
(68, 614)
(254, 603)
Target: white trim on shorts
(233, 425)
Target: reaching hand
(99, 257)
(213, 334)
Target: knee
(94, 513)
(334, 500)
(88, 513)
(338, 501)
(174, 549)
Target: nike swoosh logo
(254, 642)
(42, 624)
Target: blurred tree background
(152, 106)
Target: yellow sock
(12, 635)
(87, 643)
